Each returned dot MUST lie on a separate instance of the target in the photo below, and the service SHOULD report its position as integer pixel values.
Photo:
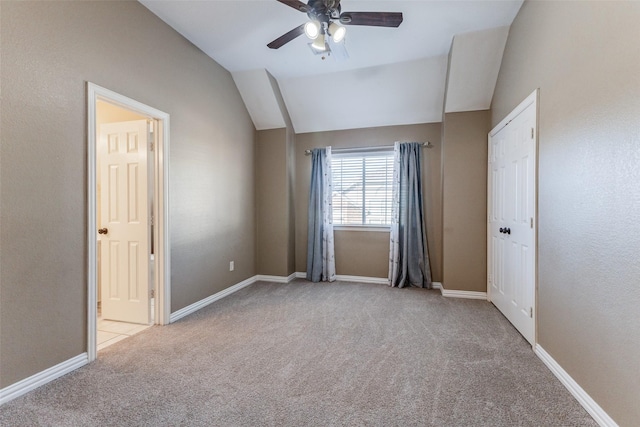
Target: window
(362, 188)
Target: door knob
(102, 231)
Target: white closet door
(512, 217)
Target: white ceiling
(392, 75)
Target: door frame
(162, 258)
(533, 98)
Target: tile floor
(110, 332)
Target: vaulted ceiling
(445, 56)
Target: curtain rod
(379, 147)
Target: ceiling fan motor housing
(324, 10)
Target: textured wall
(585, 58)
(49, 50)
(464, 201)
(272, 216)
(360, 253)
(275, 211)
(291, 199)
(368, 252)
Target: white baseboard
(41, 378)
(276, 279)
(210, 299)
(590, 405)
(362, 279)
(463, 294)
(345, 278)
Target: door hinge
(151, 220)
(531, 133)
(150, 135)
(531, 312)
(531, 222)
(152, 293)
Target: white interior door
(511, 217)
(124, 222)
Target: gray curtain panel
(320, 248)
(409, 256)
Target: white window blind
(362, 188)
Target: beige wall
(289, 212)
(361, 253)
(585, 58)
(49, 51)
(464, 196)
(275, 176)
(291, 199)
(272, 225)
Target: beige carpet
(341, 354)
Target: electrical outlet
(232, 266)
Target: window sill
(375, 228)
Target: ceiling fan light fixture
(312, 29)
(319, 43)
(337, 32)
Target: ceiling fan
(322, 14)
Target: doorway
(128, 283)
(124, 190)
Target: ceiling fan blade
(286, 38)
(297, 5)
(374, 19)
